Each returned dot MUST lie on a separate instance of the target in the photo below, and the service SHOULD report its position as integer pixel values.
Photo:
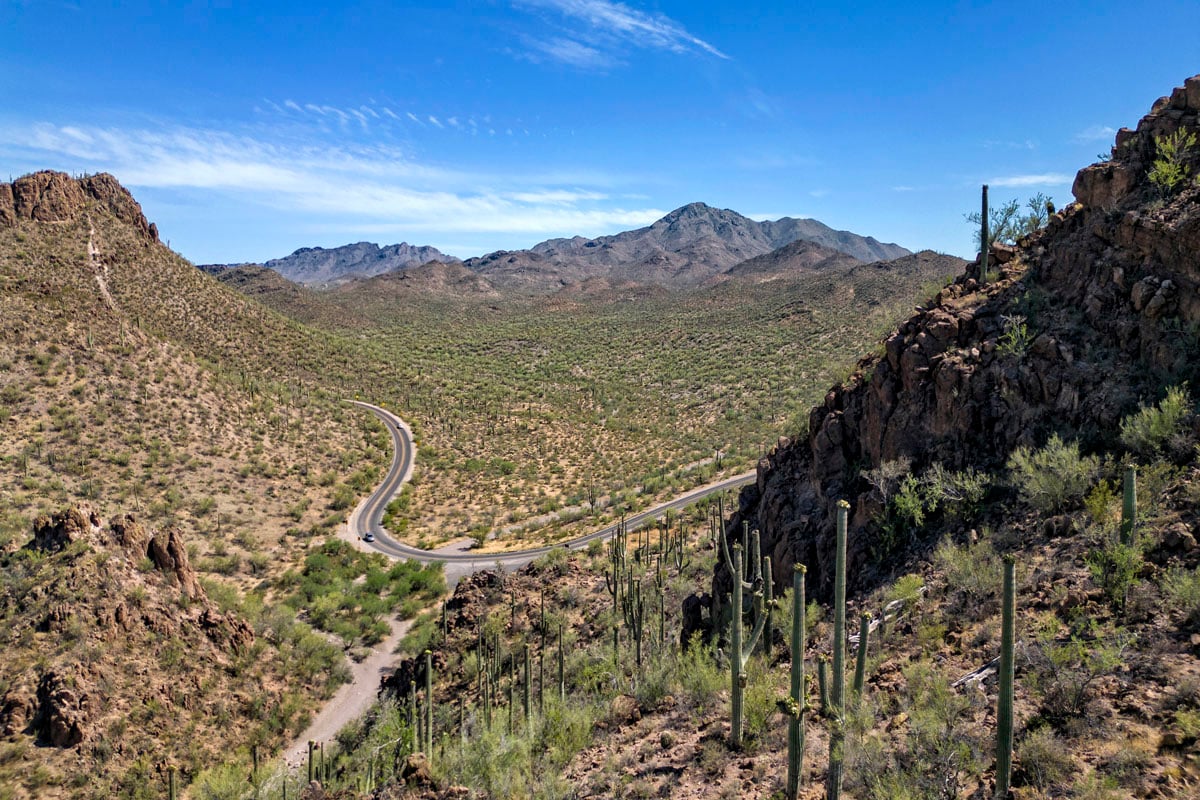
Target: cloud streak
(363, 188)
(607, 27)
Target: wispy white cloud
(608, 27)
(363, 188)
(568, 51)
(903, 189)
(1095, 133)
(434, 121)
(1044, 179)
(557, 196)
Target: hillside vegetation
(588, 405)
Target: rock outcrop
(102, 583)
(49, 196)
(1090, 315)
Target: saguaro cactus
(1129, 505)
(428, 705)
(1004, 706)
(983, 239)
(741, 647)
(799, 700)
(860, 665)
(837, 691)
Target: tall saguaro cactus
(983, 239)
(741, 647)
(837, 692)
(428, 724)
(1004, 707)
(860, 664)
(1129, 505)
(798, 705)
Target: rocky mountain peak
(50, 196)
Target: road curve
(368, 517)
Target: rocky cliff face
(49, 196)
(1107, 294)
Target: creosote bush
(1054, 477)
(1159, 430)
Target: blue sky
(247, 130)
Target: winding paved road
(459, 560)
(354, 698)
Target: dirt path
(353, 699)
(100, 270)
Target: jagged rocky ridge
(1109, 293)
(50, 196)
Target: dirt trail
(353, 699)
(99, 269)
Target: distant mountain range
(688, 247)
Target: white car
(369, 537)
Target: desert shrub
(1115, 567)
(1101, 503)
(1043, 760)
(1168, 172)
(565, 730)
(937, 757)
(1015, 341)
(1181, 587)
(1054, 477)
(700, 677)
(972, 573)
(1065, 671)
(554, 562)
(1163, 429)
(759, 699)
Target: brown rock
(52, 533)
(17, 710)
(1179, 538)
(167, 552)
(1003, 253)
(624, 709)
(1192, 87)
(1102, 185)
(64, 711)
(49, 196)
(416, 771)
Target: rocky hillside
(118, 663)
(686, 248)
(320, 266)
(1088, 317)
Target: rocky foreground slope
(1088, 317)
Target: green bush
(701, 678)
(973, 575)
(1115, 567)
(1162, 429)
(1182, 590)
(1054, 477)
(1168, 172)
